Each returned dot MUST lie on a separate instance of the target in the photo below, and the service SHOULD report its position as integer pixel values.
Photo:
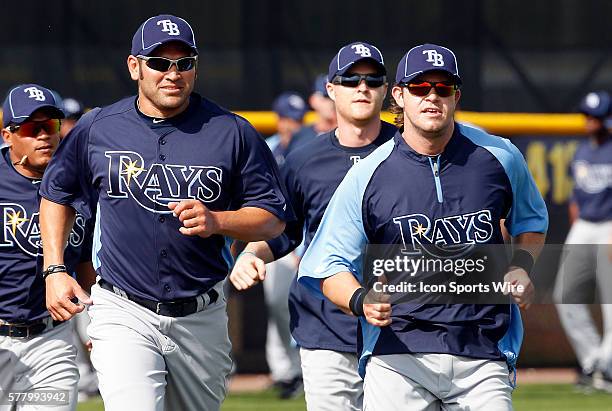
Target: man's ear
(7, 137)
(330, 91)
(398, 94)
(134, 67)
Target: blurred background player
(282, 354)
(327, 337)
(73, 109)
(323, 106)
(36, 353)
(586, 260)
(290, 109)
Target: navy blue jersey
(311, 174)
(278, 151)
(302, 137)
(22, 289)
(592, 172)
(397, 196)
(136, 165)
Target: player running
(174, 176)
(36, 352)
(326, 336)
(426, 186)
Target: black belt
(176, 308)
(27, 330)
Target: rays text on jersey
(155, 185)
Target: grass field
(528, 397)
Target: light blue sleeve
(339, 243)
(510, 344)
(528, 212)
(273, 141)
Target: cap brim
(418, 73)
(151, 49)
(370, 59)
(58, 113)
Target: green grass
(261, 401)
(528, 397)
(558, 397)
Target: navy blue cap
(596, 104)
(25, 99)
(320, 85)
(353, 53)
(72, 108)
(161, 29)
(424, 58)
(291, 105)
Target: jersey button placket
(162, 142)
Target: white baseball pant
(331, 380)
(282, 354)
(45, 362)
(428, 382)
(586, 264)
(149, 362)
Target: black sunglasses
(163, 64)
(353, 80)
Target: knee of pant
(277, 302)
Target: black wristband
(54, 268)
(356, 301)
(523, 259)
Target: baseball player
(585, 259)
(290, 109)
(174, 176)
(326, 336)
(282, 355)
(36, 352)
(74, 110)
(326, 119)
(412, 191)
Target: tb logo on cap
(434, 58)
(169, 27)
(362, 50)
(35, 93)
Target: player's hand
(89, 345)
(197, 219)
(377, 309)
(378, 314)
(518, 276)
(61, 288)
(248, 271)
